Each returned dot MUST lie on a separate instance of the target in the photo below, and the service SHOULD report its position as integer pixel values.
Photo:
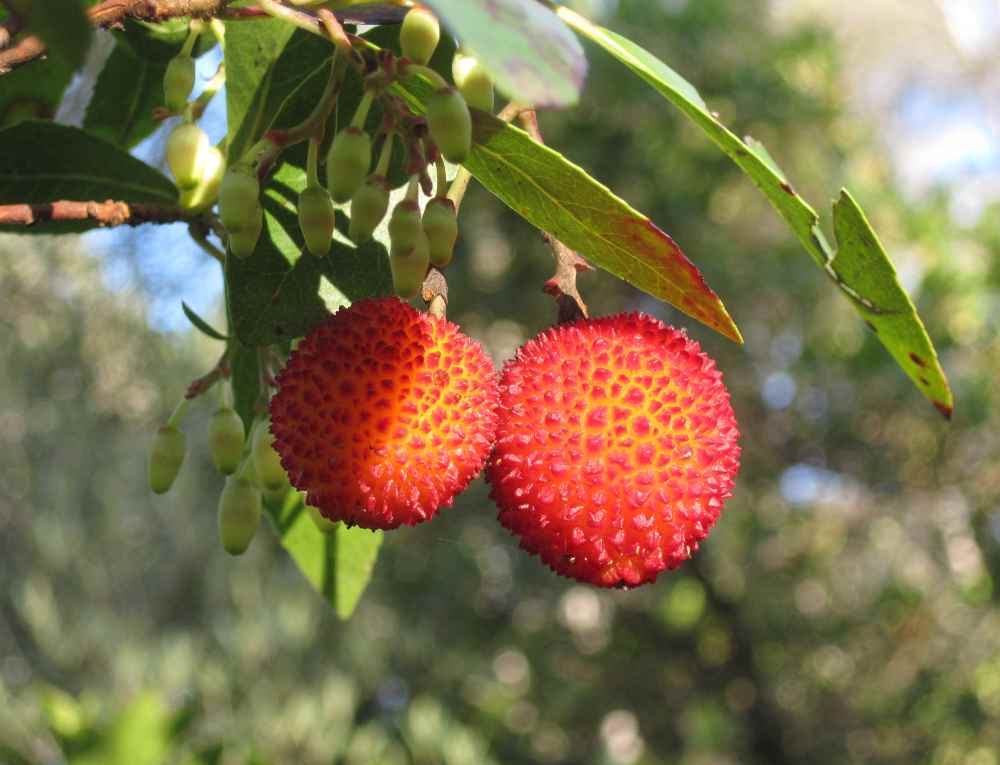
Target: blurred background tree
(845, 610)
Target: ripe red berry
(616, 448)
(383, 414)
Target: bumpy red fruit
(616, 448)
(383, 414)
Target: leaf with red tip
(337, 564)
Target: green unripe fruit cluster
(450, 124)
(347, 163)
(266, 462)
(166, 458)
(206, 191)
(188, 148)
(178, 81)
(473, 82)
(240, 210)
(441, 226)
(317, 219)
(239, 514)
(225, 440)
(368, 207)
(419, 35)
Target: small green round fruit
(225, 440)
(166, 458)
(187, 149)
(405, 226)
(266, 462)
(450, 124)
(203, 195)
(347, 163)
(324, 525)
(441, 227)
(473, 82)
(317, 219)
(368, 208)
(178, 81)
(239, 514)
(409, 267)
(240, 210)
(242, 243)
(419, 35)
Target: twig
(108, 213)
(434, 293)
(219, 372)
(198, 230)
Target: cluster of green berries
(252, 468)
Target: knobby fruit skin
(383, 414)
(368, 208)
(240, 210)
(178, 80)
(419, 35)
(317, 219)
(616, 448)
(187, 151)
(226, 436)
(166, 458)
(409, 267)
(206, 191)
(347, 163)
(450, 124)
(441, 226)
(239, 514)
(266, 461)
(473, 82)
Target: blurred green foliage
(845, 610)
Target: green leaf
(754, 159)
(532, 56)
(337, 564)
(861, 263)
(275, 294)
(163, 40)
(127, 90)
(244, 376)
(62, 25)
(559, 197)
(43, 162)
(33, 90)
(200, 324)
(255, 84)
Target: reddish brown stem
(108, 213)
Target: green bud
(347, 163)
(225, 440)
(441, 227)
(409, 267)
(404, 226)
(266, 461)
(419, 35)
(166, 458)
(240, 210)
(316, 219)
(187, 150)
(323, 524)
(239, 514)
(450, 124)
(368, 207)
(178, 81)
(206, 192)
(473, 82)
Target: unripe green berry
(473, 82)
(409, 267)
(240, 210)
(166, 458)
(441, 227)
(187, 150)
(178, 80)
(419, 35)
(225, 440)
(347, 163)
(368, 207)
(317, 219)
(450, 124)
(324, 525)
(405, 226)
(206, 192)
(242, 243)
(266, 462)
(239, 514)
